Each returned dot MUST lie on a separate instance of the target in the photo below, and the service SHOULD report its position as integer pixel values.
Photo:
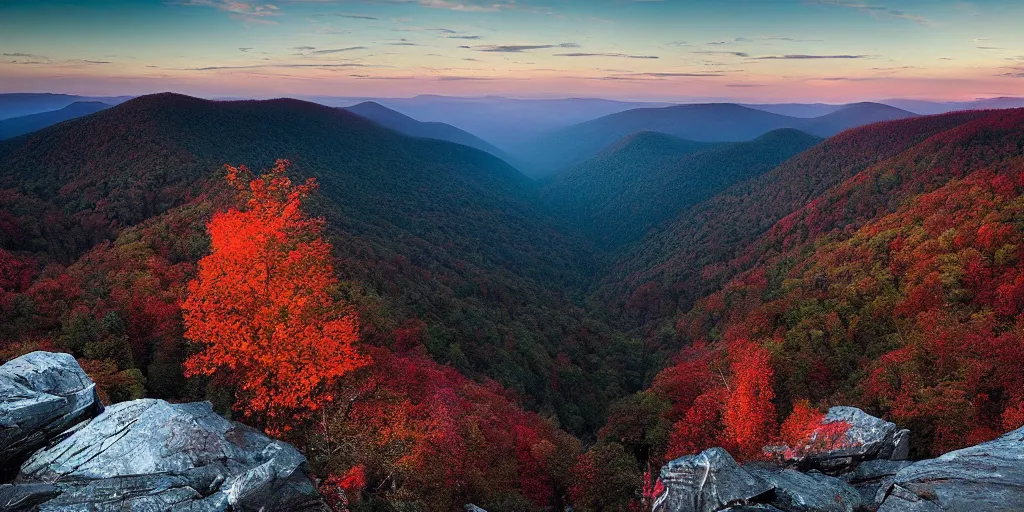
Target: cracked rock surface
(868, 438)
(988, 476)
(41, 395)
(708, 481)
(809, 492)
(150, 455)
(869, 476)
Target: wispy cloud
(283, 65)
(790, 39)
(809, 57)
(460, 5)
(249, 12)
(657, 76)
(518, 48)
(619, 55)
(356, 16)
(337, 50)
(875, 10)
(713, 52)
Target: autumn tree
(261, 307)
(749, 416)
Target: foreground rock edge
(140, 455)
(868, 477)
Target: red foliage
(749, 416)
(428, 429)
(261, 306)
(344, 491)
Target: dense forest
(432, 328)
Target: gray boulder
(867, 438)
(808, 492)
(41, 395)
(707, 482)
(988, 476)
(873, 477)
(153, 455)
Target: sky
(664, 50)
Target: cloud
(466, 37)
(450, 78)
(264, 66)
(337, 50)
(711, 52)
(355, 16)
(790, 39)
(619, 55)
(518, 48)
(852, 79)
(657, 76)
(370, 77)
(25, 55)
(249, 12)
(671, 75)
(875, 10)
(809, 57)
(403, 42)
(460, 5)
(244, 49)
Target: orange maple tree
(261, 306)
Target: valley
(548, 319)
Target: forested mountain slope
(893, 284)
(691, 256)
(434, 238)
(878, 268)
(650, 177)
(430, 130)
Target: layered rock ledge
(140, 455)
(865, 471)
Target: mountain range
(429, 130)
(553, 339)
(23, 104)
(12, 127)
(711, 122)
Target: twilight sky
(752, 50)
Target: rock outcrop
(864, 476)
(41, 395)
(808, 492)
(872, 478)
(152, 455)
(866, 438)
(709, 481)
(988, 476)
